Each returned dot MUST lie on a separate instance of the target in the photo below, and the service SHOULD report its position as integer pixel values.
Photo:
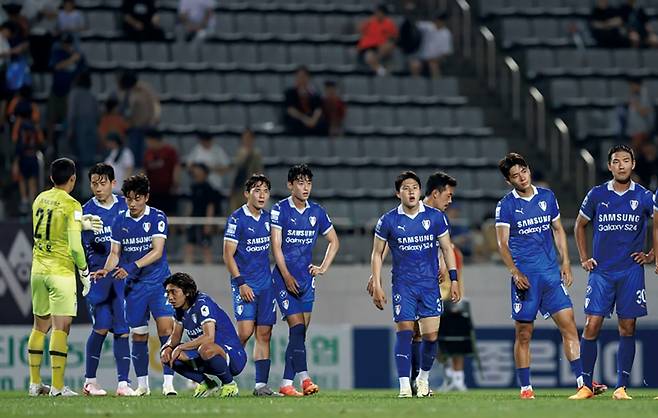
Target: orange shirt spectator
(375, 31)
(112, 121)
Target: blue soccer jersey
(619, 222)
(252, 237)
(530, 235)
(135, 237)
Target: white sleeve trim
(159, 236)
(556, 218)
(276, 226)
(231, 240)
(326, 231)
(446, 232)
(380, 237)
(505, 224)
(114, 241)
(207, 320)
(581, 213)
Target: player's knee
(264, 335)
(626, 329)
(140, 337)
(523, 335)
(208, 351)
(101, 331)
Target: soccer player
(138, 255)
(106, 299)
(58, 221)
(411, 231)
(619, 210)
(246, 255)
(296, 225)
(214, 347)
(528, 228)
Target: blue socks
(165, 369)
(415, 359)
(263, 371)
(297, 345)
(217, 366)
(588, 354)
(288, 370)
(403, 352)
(625, 357)
(188, 371)
(577, 370)
(140, 357)
(93, 353)
(122, 357)
(523, 374)
(428, 350)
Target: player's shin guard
(217, 367)
(93, 353)
(588, 354)
(140, 356)
(58, 350)
(298, 347)
(415, 359)
(262, 371)
(35, 347)
(166, 370)
(122, 357)
(625, 357)
(523, 374)
(428, 354)
(403, 353)
(187, 371)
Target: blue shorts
(411, 303)
(110, 314)
(624, 289)
(262, 310)
(547, 294)
(237, 359)
(290, 304)
(143, 300)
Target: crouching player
(214, 348)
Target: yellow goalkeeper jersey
(56, 225)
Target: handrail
(536, 117)
(585, 172)
(561, 141)
(465, 27)
(41, 163)
(486, 56)
(514, 87)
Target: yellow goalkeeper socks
(58, 349)
(35, 354)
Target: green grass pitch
(550, 403)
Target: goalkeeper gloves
(92, 223)
(85, 280)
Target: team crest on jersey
(282, 294)
(240, 309)
(543, 205)
(193, 317)
(634, 204)
(146, 226)
(586, 302)
(397, 298)
(286, 304)
(426, 224)
(312, 220)
(588, 290)
(517, 307)
(267, 226)
(397, 309)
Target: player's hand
(379, 298)
(92, 223)
(442, 276)
(642, 258)
(165, 354)
(370, 286)
(292, 285)
(589, 264)
(316, 270)
(520, 280)
(567, 275)
(121, 272)
(455, 292)
(174, 355)
(85, 280)
(99, 274)
(246, 293)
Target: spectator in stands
(213, 156)
(303, 115)
(70, 19)
(378, 37)
(13, 10)
(141, 108)
(333, 108)
(141, 21)
(28, 140)
(639, 115)
(205, 203)
(82, 121)
(637, 25)
(120, 158)
(112, 121)
(248, 160)
(436, 44)
(162, 169)
(21, 101)
(607, 26)
(42, 19)
(66, 63)
(410, 37)
(460, 232)
(646, 165)
(197, 18)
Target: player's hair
(439, 181)
(138, 183)
(509, 161)
(102, 169)
(299, 171)
(255, 180)
(186, 283)
(405, 175)
(61, 170)
(620, 148)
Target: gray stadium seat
(598, 58)
(208, 83)
(302, 54)
(515, 29)
(342, 178)
(270, 53)
(167, 20)
(405, 147)
(263, 114)
(356, 117)
(202, 115)
(489, 179)
(338, 209)
(415, 86)
(336, 24)
(372, 178)
(381, 116)
(594, 88)
(178, 83)
(95, 51)
(308, 24)
(619, 89)
(464, 179)
(233, 115)
(123, 51)
(287, 146)
(97, 85)
(224, 23)
(494, 149)
(545, 28)
(366, 211)
(411, 117)
(279, 23)
(376, 147)
(470, 117)
(321, 179)
(268, 84)
(244, 53)
(356, 85)
(181, 52)
(317, 147)
(650, 59)
(238, 83)
(539, 59)
(278, 176)
(561, 89)
(101, 21)
(435, 148)
(213, 52)
(626, 58)
(446, 86)
(249, 23)
(173, 114)
(332, 55)
(153, 79)
(464, 148)
(347, 147)
(440, 117)
(154, 52)
(570, 58)
(386, 86)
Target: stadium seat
(273, 53)
(356, 85)
(539, 59)
(95, 51)
(332, 55)
(278, 23)
(224, 23)
(154, 52)
(152, 78)
(101, 21)
(598, 58)
(238, 83)
(470, 117)
(628, 59)
(376, 147)
(181, 52)
(243, 53)
(269, 84)
(317, 147)
(125, 52)
(249, 23)
(435, 148)
(263, 115)
(342, 178)
(445, 86)
(465, 148)
(302, 54)
(208, 83)
(381, 116)
(405, 147)
(386, 86)
(561, 89)
(411, 117)
(178, 83)
(233, 115)
(415, 86)
(308, 24)
(439, 117)
(337, 24)
(593, 88)
(202, 115)
(347, 147)
(356, 117)
(515, 29)
(173, 114)
(215, 52)
(289, 146)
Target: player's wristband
(239, 281)
(130, 268)
(164, 347)
(453, 275)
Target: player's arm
(207, 337)
(157, 250)
(111, 261)
(502, 237)
(329, 255)
(369, 286)
(560, 238)
(74, 238)
(451, 262)
(246, 292)
(174, 340)
(579, 232)
(291, 282)
(376, 262)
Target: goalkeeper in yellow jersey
(57, 224)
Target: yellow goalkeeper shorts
(53, 295)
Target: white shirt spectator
(196, 11)
(213, 157)
(435, 42)
(42, 15)
(123, 165)
(70, 21)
